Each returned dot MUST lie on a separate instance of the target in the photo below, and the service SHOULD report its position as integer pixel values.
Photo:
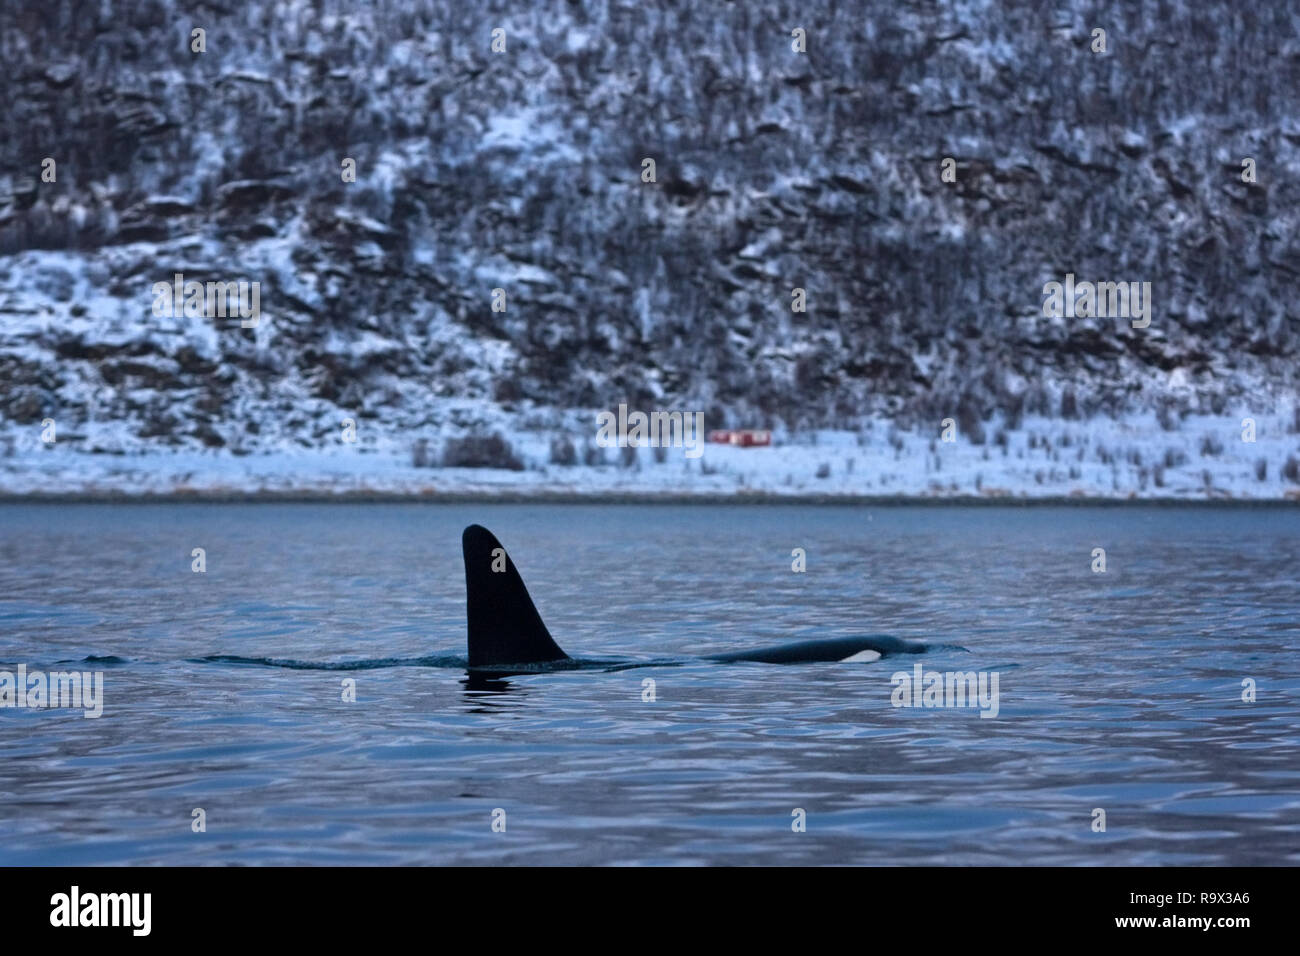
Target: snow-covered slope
(776, 170)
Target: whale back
(861, 649)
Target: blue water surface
(1118, 691)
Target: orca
(505, 632)
(506, 635)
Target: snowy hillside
(775, 170)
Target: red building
(742, 437)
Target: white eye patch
(862, 657)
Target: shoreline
(1045, 463)
(631, 498)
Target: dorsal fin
(504, 626)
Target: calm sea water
(1120, 691)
